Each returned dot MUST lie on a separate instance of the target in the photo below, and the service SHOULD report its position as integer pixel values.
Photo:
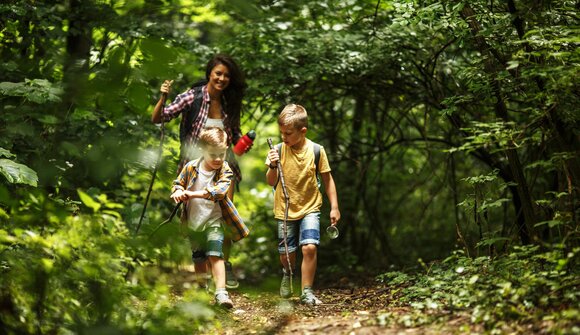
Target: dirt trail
(351, 306)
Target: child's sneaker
(285, 286)
(231, 281)
(222, 298)
(309, 298)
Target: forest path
(350, 306)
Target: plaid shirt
(183, 102)
(234, 225)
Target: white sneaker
(222, 298)
(309, 298)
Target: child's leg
(218, 270)
(198, 257)
(309, 259)
(284, 260)
(200, 267)
(215, 239)
(309, 240)
(291, 242)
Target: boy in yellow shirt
(297, 157)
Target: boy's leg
(215, 239)
(199, 258)
(218, 271)
(308, 268)
(284, 261)
(200, 272)
(309, 241)
(290, 261)
(222, 298)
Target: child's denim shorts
(308, 227)
(206, 243)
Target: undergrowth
(527, 290)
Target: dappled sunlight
(451, 131)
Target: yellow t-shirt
(301, 183)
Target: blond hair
(213, 137)
(293, 115)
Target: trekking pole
(162, 138)
(168, 220)
(284, 225)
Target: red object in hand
(244, 143)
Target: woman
(216, 102)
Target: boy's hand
(179, 195)
(166, 87)
(334, 216)
(273, 157)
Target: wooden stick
(162, 138)
(168, 220)
(284, 225)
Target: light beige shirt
(301, 182)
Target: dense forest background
(452, 128)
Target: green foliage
(16, 173)
(71, 276)
(441, 121)
(527, 286)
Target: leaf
(17, 173)
(39, 91)
(6, 153)
(88, 200)
(48, 119)
(550, 223)
(491, 241)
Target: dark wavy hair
(236, 89)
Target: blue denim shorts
(308, 227)
(206, 243)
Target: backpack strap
(316, 148)
(189, 116)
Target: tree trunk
(78, 47)
(501, 111)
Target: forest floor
(351, 305)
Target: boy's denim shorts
(308, 227)
(206, 243)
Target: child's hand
(273, 157)
(179, 195)
(334, 216)
(166, 87)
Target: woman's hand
(166, 87)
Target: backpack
(316, 149)
(189, 116)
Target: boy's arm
(272, 176)
(181, 182)
(330, 188)
(178, 192)
(272, 163)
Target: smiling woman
(213, 103)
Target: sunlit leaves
(526, 286)
(39, 91)
(16, 173)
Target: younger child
(297, 158)
(202, 185)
